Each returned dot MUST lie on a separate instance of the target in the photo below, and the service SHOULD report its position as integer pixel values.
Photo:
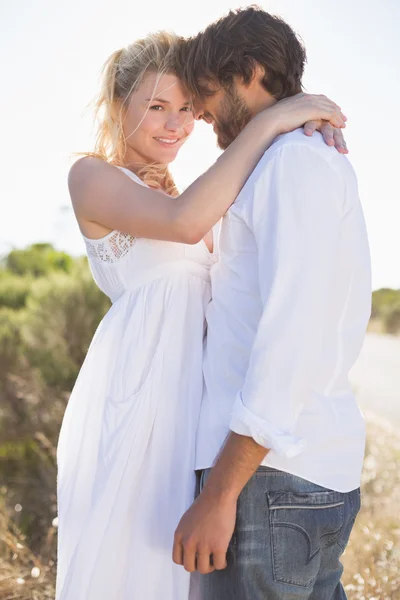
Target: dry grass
(23, 574)
(372, 560)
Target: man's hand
(203, 534)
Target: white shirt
(291, 303)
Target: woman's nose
(174, 122)
(178, 121)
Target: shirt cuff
(244, 422)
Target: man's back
(291, 302)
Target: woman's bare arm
(103, 194)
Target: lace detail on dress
(112, 248)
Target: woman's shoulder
(91, 178)
(89, 169)
(85, 167)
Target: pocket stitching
(311, 507)
(338, 542)
(334, 498)
(276, 524)
(275, 561)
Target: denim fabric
(287, 543)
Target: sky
(52, 53)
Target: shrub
(14, 290)
(382, 300)
(10, 341)
(62, 314)
(38, 260)
(391, 319)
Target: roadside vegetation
(49, 311)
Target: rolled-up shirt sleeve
(295, 215)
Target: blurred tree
(62, 314)
(14, 289)
(38, 260)
(10, 341)
(382, 300)
(391, 318)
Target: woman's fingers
(328, 133)
(310, 127)
(311, 110)
(335, 117)
(339, 141)
(330, 111)
(333, 136)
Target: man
(281, 440)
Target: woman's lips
(167, 142)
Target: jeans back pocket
(302, 525)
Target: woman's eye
(187, 109)
(156, 107)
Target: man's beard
(234, 116)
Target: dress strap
(133, 176)
(116, 244)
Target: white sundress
(127, 442)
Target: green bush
(62, 314)
(49, 310)
(10, 340)
(391, 319)
(14, 290)
(382, 300)
(38, 260)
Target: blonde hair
(122, 74)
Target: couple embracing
(212, 447)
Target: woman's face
(158, 120)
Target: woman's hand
(333, 136)
(291, 113)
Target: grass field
(372, 560)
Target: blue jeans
(287, 542)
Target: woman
(126, 447)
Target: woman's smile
(164, 141)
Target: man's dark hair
(233, 45)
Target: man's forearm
(236, 464)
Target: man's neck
(259, 99)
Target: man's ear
(258, 74)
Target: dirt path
(376, 376)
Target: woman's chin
(166, 157)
